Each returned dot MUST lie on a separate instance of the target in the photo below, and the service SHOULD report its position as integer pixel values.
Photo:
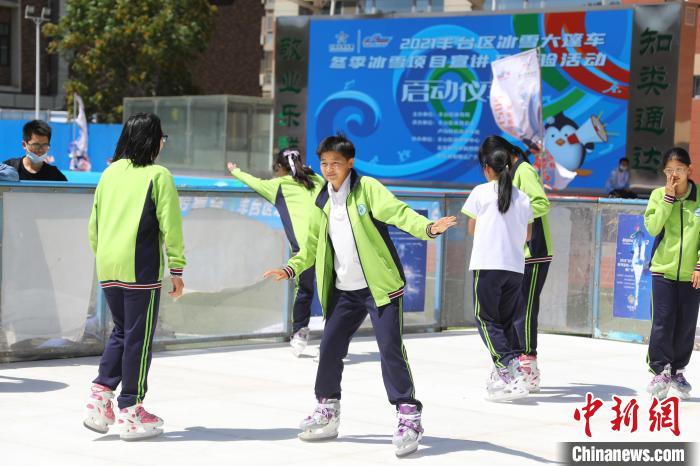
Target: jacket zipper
(680, 255)
(354, 240)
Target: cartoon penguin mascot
(561, 141)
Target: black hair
(301, 173)
(38, 127)
(676, 153)
(623, 159)
(140, 140)
(338, 143)
(496, 152)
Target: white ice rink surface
(241, 406)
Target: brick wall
(5, 74)
(231, 64)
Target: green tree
(126, 48)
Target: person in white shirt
(499, 218)
(359, 273)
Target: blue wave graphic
(352, 112)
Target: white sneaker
(323, 423)
(136, 423)
(299, 341)
(528, 366)
(100, 414)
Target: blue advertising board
(413, 93)
(632, 290)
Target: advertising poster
(413, 93)
(632, 291)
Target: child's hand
(277, 274)
(696, 279)
(671, 186)
(178, 286)
(231, 166)
(443, 224)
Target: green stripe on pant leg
(149, 336)
(528, 310)
(145, 349)
(477, 310)
(403, 349)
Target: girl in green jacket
(136, 212)
(292, 192)
(673, 216)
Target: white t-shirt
(348, 270)
(498, 238)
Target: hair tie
(292, 155)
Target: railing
(51, 305)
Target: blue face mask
(36, 159)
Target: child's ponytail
(505, 189)
(496, 153)
(290, 161)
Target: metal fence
(51, 305)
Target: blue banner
(632, 291)
(412, 93)
(413, 253)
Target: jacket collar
(693, 196)
(323, 195)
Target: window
(4, 44)
(696, 87)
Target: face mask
(36, 159)
(623, 168)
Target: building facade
(18, 57)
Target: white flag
(79, 159)
(516, 97)
(516, 104)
